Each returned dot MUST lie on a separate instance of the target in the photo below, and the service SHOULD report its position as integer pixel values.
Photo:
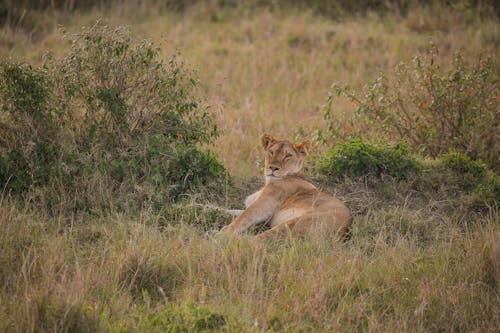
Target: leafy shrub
(455, 172)
(463, 164)
(108, 114)
(192, 167)
(433, 109)
(125, 91)
(356, 158)
(190, 319)
(29, 147)
(489, 192)
(472, 175)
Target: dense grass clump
(356, 158)
(110, 112)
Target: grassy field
(424, 255)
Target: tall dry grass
(399, 272)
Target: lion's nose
(273, 168)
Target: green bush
(356, 158)
(435, 110)
(471, 175)
(489, 192)
(29, 145)
(109, 114)
(463, 164)
(124, 91)
(456, 172)
(189, 168)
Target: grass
(404, 269)
(424, 252)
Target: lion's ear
(267, 140)
(303, 147)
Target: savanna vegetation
(128, 127)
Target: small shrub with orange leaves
(435, 110)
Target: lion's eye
(270, 153)
(287, 156)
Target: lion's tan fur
(288, 201)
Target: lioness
(287, 200)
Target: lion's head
(282, 158)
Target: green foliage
(489, 192)
(126, 92)
(356, 158)
(29, 146)
(110, 112)
(191, 319)
(435, 110)
(466, 174)
(463, 164)
(24, 90)
(140, 116)
(192, 167)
